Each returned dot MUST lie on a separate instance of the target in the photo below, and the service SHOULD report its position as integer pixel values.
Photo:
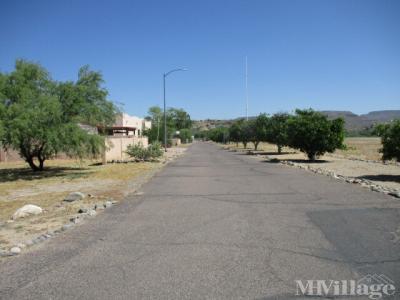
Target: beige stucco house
(127, 130)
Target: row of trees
(178, 120)
(306, 130)
(309, 131)
(40, 117)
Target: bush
(139, 152)
(185, 135)
(155, 150)
(312, 133)
(390, 137)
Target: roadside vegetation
(141, 153)
(306, 130)
(42, 117)
(179, 125)
(310, 132)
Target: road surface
(218, 225)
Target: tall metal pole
(247, 96)
(165, 110)
(165, 119)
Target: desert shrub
(139, 152)
(155, 150)
(390, 138)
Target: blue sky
(336, 55)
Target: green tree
(2, 104)
(253, 132)
(41, 116)
(245, 133)
(86, 100)
(219, 134)
(177, 119)
(235, 132)
(185, 135)
(276, 130)
(390, 138)
(312, 133)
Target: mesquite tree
(41, 117)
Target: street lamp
(165, 111)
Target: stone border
(82, 214)
(363, 182)
(348, 179)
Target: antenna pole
(247, 96)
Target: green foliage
(40, 116)
(235, 132)
(141, 153)
(365, 132)
(185, 135)
(251, 133)
(390, 137)
(177, 120)
(86, 100)
(218, 135)
(312, 133)
(276, 130)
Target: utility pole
(247, 95)
(165, 111)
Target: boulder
(74, 197)
(91, 212)
(15, 250)
(27, 210)
(395, 194)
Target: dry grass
(362, 147)
(19, 186)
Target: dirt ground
(360, 160)
(20, 186)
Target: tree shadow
(303, 161)
(273, 153)
(381, 177)
(307, 161)
(23, 173)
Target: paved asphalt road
(219, 225)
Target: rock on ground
(15, 250)
(74, 197)
(27, 210)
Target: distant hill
(361, 122)
(354, 122)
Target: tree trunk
(279, 149)
(31, 163)
(311, 156)
(256, 145)
(245, 145)
(41, 158)
(41, 163)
